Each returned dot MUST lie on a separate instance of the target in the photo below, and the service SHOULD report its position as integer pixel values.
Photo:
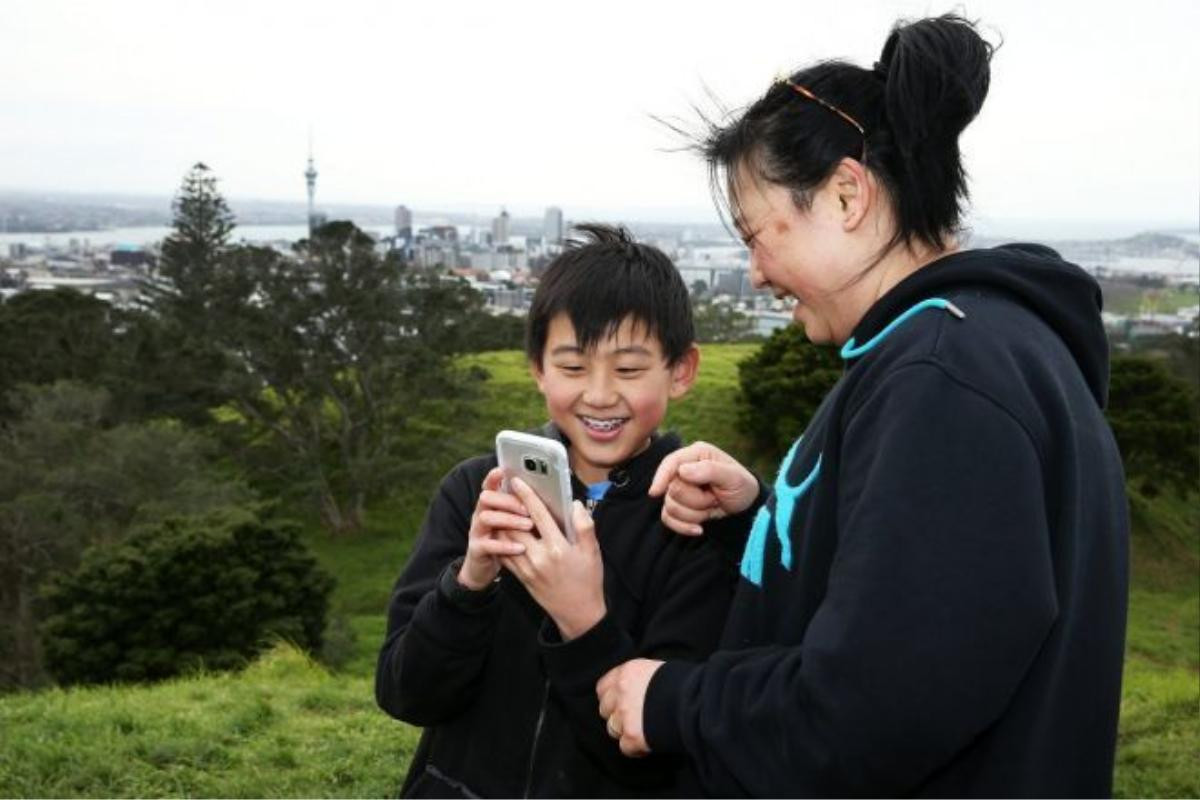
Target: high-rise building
(553, 225)
(404, 226)
(500, 229)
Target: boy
(498, 629)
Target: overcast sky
(1093, 113)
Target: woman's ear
(854, 192)
(683, 372)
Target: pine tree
(191, 256)
(179, 338)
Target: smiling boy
(498, 628)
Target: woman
(933, 591)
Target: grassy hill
(289, 727)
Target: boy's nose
(599, 392)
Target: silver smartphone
(542, 464)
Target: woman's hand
(701, 482)
(566, 580)
(622, 694)
(494, 511)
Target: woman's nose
(757, 280)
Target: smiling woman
(933, 592)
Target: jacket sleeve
(940, 595)
(437, 639)
(688, 599)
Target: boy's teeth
(603, 424)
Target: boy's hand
(622, 694)
(701, 482)
(494, 511)
(566, 580)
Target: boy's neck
(590, 473)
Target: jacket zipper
(537, 735)
(537, 730)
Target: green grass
(288, 727)
(283, 727)
(1129, 298)
(1158, 750)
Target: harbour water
(143, 236)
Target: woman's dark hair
(929, 83)
(604, 279)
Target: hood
(1063, 295)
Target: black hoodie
(509, 709)
(933, 596)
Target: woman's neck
(903, 260)
(896, 265)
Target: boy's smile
(609, 400)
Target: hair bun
(937, 77)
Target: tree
(339, 350)
(177, 347)
(147, 371)
(717, 322)
(207, 590)
(782, 386)
(483, 332)
(56, 335)
(191, 255)
(70, 479)
(1155, 420)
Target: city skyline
(473, 109)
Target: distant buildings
(500, 229)
(553, 228)
(404, 224)
(130, 255)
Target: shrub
(782, 386)
(204, 591)
(1155, 420)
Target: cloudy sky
(1093, 113)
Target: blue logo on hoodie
(786, 496)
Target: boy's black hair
(602, 280)
(929, 83)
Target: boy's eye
(571, 368)
(629, 371)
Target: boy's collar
(639, 470)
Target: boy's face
(608, 401)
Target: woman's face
(803, 254)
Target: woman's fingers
(669, 466)
(666, 472)
(691, 495)
(687, 514)
(718, 474)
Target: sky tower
(310, 178)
